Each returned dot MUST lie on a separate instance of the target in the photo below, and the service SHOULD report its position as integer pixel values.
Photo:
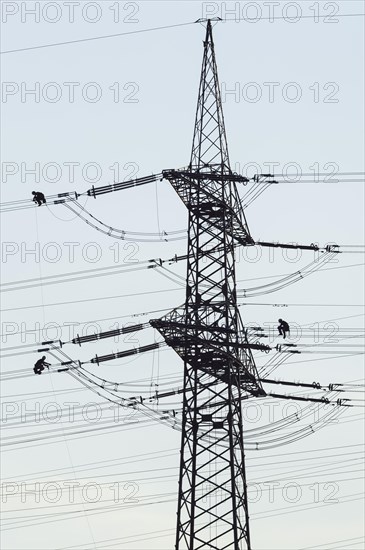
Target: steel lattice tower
(219, 369)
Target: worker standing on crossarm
(40, 365)
(283, 328)
(39, 198)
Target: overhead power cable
(163, 27)
(123, 234)
(92, 381)
(328, 253)
(80, 40)
(258, 180)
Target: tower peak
(210, 150)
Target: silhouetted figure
(39, 198)
(283, 328)
(40, 365)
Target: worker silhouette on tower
(39, 198)
(283, 328)
(40, 365)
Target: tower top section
(209, 151)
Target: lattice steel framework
(208, 334)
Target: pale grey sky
(140, 123)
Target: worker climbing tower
(208, 334)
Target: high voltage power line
(71, 201)
(218, 350)
(164, 27)
(155, 264)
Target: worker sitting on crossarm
(283, 328)
(39, 198)
(40, 365)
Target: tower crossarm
(201, 192)
(209, 175)
(205, 348)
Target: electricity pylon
(219, 370)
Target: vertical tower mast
(219, 369)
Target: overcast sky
(123, 107)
